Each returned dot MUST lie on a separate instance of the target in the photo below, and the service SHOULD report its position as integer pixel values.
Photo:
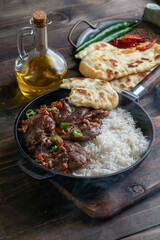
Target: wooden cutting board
(107, 199)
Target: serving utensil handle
(148, 83)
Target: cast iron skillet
(127, 100)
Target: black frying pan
(127, 100)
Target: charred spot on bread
(116, 73)
(128, 79)
(101, 94)
(144, 74)
(83, 91)
(146, 59)
(122, 85)
(113, 62)
(157, 57)
(109, 72)
(127, 51)
(135, 64)
(103, 44)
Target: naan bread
(95, 98)
(81, 82)
(119, 85)
(128, 82)
(103, 61)
(89, 92)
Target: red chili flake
(53, 104)
(50, 114)
(46, 112)
(135, 37)
(21, 129)
(60, 131)
(59, 105)
(64, 166)
(61, 144)
(43, 106)
(147, 46)
(45, 164)
(25, 121)
(51, 128)
(40, 157)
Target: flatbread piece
(128, 82)
(94, 93)
(103, 61)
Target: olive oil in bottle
(40, 69)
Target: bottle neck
(41, 40)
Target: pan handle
(30, 169)
(147, 84)
(75, 26)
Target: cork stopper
(40, 18)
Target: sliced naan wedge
(103, 61)
(82, 82)
(95, 98)
(128, 82)
(94, 93)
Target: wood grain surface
(31, 209)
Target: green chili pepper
(53, 108)
(30, 113)
(77, 133)
(53, 149)
(64, 125)
(73, 109)
(105, 33)
(117, 34)
(56, 139)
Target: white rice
(118, 146)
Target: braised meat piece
(38, 131)
(77, 114)
(64, 110)
(69, 157)
(89, 125)
(77, 156)
(89, 130)
(99, 113)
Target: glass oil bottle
(41, 69)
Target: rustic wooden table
(30, 209)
